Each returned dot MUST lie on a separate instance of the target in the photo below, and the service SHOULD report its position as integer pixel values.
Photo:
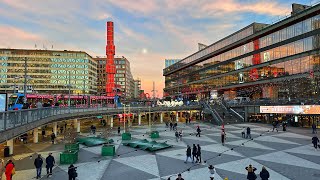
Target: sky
(146, 31)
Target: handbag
(13, 171)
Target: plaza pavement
(286, 155)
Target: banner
(297, 109)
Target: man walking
(38, 164)
(223, 136)
(198, 131)
(53, 137)
(50, 163)
(315, 141)
(194, 153)
(118, 130)
(274, 126)
(314, 129)
(248, 133)
(198, 153)
(188, 154)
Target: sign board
(3, 102)
(297, 109)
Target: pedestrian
(38, 164)
(171, 126)
(94, 130)
(314, 129)
(65, 125)
(119, 130)
(188, 154)
(175, 126)
(72, 172)
(177, 136)
(1, 168)
(315, 141)
(186, 121)
(251, 175)
(167, 124)
(284, 126)
(223, 136)
(61, 129)
(199, 153)
(9, 170)
(180, 135)
(275, 124)
(53, 137)
(212, 172)
(264, 174)
(243, 133)
(49, 164)
(179, 177)
(25, 138)
(194, 153)
(248, 133)
(198, 131)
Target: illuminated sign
(298, 109)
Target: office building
(169, 62)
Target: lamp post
(25, 80)
(14, 88)
(124, 118)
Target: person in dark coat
(284, 126)
(119, 130)
(179, 177)
(264, 174)
(248, 133)
(171, 126)
(53, 137)
(50, 163)
(38, 164)
(72, 172)
(315, 141)
(251, 175)
(194, 153)
(223, 137)
(314, 129)
(198, 153)
(198, 131)
(188, 153)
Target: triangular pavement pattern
(202, 138)
(146, 163)
(285, 158)
(292, 135)
(240, 131)
(22, 156)
(250, 144)
(218, 148)
(240, 165)
(176, 154)
(274, 140)
(307, 149)
(91, 170)
(196, 174)
(228, 135)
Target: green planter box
(68, 157)
(71, 147)
(126, 136)
(154, 134)
(108, 150)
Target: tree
(70, 135)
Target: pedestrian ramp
(147, 145)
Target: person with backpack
(251, 174)
(72, 172)
(264, 174)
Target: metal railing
(236, 114)
(213, 112)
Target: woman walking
(251, 175)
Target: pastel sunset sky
(146, 31)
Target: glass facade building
(47, 71)
(270, 61)
(169, 62)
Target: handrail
(237, 114)
(214, 113)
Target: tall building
(47, 71)
(110, 66)
(169, 62)
(137, 88)
(124, 83)
(274, 61)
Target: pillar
(111, 120)
(75, 123)
(55, 128)
(139, 119)
(78, 126)
(10, 144)
(35, 135)
(161, 117)
(177, 116)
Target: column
(78, 126)
(139, 119)
(177, 116)
(55, 128)
(10, 144)
(111, 119)
(161, 117)
(75, 123)
(35, 135)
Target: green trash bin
(108, 150)
(126, 136)
(68, 157)
(154, 134)
(71, 147)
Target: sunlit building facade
(261, 60)
(47, 71)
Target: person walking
(274, 124)
(180, 135)
(188, 154)
(38, 164)
(171, 126)
(53, 137)
(315, 141)
(251, 175)
(314, 129)
(243, 133)
(72, 172)
(49, 164)
(212, 172)
(177, 136)
(248, 133)
(175, 126)
(284, 126)
(264, 174)
(179, 177)
(223, 136)
(198, 131)
(9, 170)
(194, 153)
(65, 125)
(119, 130)
(61, 129)
(198, 153)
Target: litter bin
(6, 151)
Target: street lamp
(14, 87)
(69, 86)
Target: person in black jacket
(194, 153)
(72, 172)
(264, 174)
(198, 153)
(53, 137)
(251, 175)
(188, 154)
(50, 163)
(38, 164)
(198, 131)
(315, 141)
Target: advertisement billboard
(3, 102)
(297, 109)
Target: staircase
(211, 115)
(230, 115)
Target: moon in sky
(144, 51)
